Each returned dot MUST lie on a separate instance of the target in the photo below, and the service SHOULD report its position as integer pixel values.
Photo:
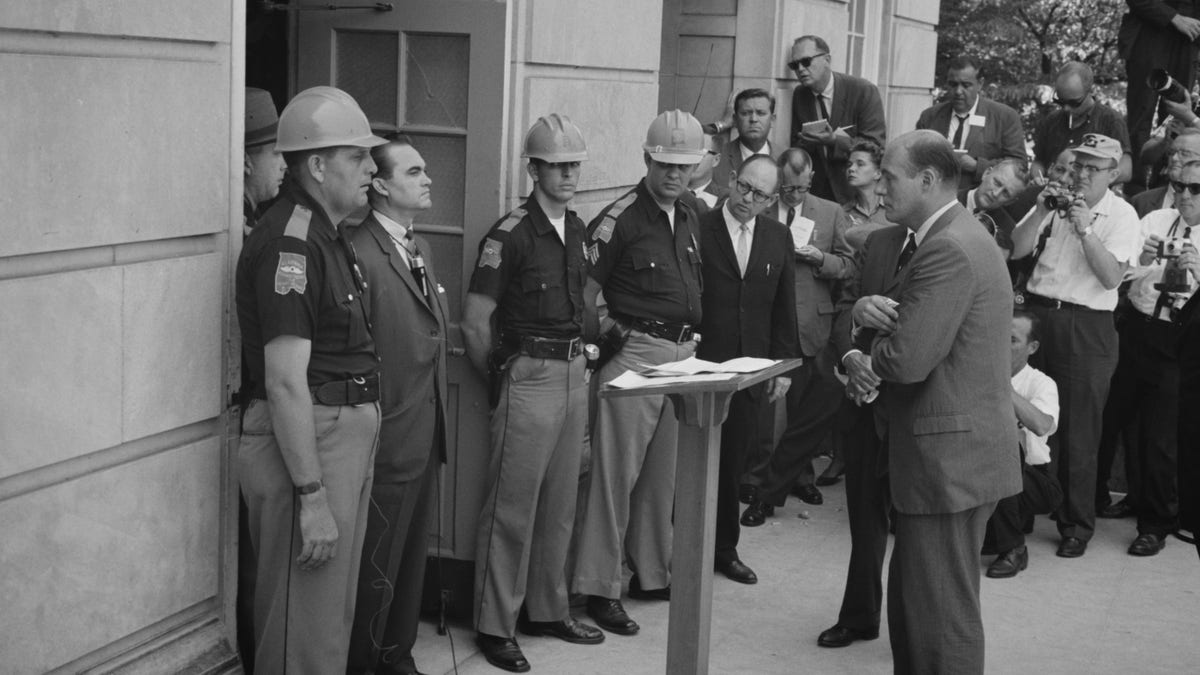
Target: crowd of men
(957, 309)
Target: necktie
(791, 216)
(416, 264)
(958, 133)
(821, 105)
(743, 248)
(906, 253)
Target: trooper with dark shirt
(310, 430)
(645, 254)
(529, 282)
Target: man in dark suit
(753, 117)
(868, 499)
(749, 309)
(943, 355)
(703, 192)
(1155, 34)
(850, 105)
(982, 131)
(822, 258)
(408, 320)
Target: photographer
(1082, 240)
(1146, 383)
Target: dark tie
(906, 253)
(958, 133)
(791, 215)
(416, 264)
(821, 106)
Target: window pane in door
(366, 65)
(436, 79)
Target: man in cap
(529, 279)
(407, 310)
(309, 432)
(1079, 253)
(645, 255)
(263, 165)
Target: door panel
(698, 42)
(435, 69)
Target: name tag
(977, 120)
(801, 231)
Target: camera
(1171, 248)
(1059, 202)
(1166, 86)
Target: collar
(969, 114)
(650, 208)
(1024, 371)
(971, 199)
(733, 224)
(747, 153)
(828, 91)
(924, 229)
(394, 229)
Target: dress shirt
(747, 153)
(964, 122)
(782, 212)
(1142, 294)
(1063, 272)
(924, 229)
(735, 227)
(827, 93)
(397, 232)
(1040, 390)
(704, 195)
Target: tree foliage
(1021, 42)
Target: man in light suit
(983, 132)
(408, 320)
(753, 116)
(749, 309)
(821, 257)
(849, 104)
(943, 356)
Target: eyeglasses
(1069, 102)
(757, 195)
(793, 189)
(804, 62)
(1089, 168)
(1192, 188)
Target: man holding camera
(1146, 383)
(1081, 241)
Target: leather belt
(353, 391)
(1043, 301)
(551, 348)
(678, 333)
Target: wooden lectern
(701, 408)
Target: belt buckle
(574, 348)
(684, 329)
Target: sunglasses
(1070, 102)
(1192, 188)
(757, 195)
(804, 62)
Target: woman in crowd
(865, 211)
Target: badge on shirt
(593, 253)
(290, 273)
(604, 230)
(491, 254)
(977, 121)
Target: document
(802, 229)
(688, 370)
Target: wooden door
(435, 69)
(696, 67)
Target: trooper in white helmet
(645, 255)
(310, 428)
(529, 279)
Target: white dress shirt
(397, 232)
(964, 122)
(1040, 390)
(1142, 293)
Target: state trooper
(529, 278)
(310, 430)
(645, 255)
(262, 164)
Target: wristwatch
(309, 488)
(1086, 231)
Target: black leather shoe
(1071, 547)
(737, 570)
(610, 615)
(1009, 563)
(638, 593)
(747, 493)
(841, 636)
(1122, 509)
(568, 630)
(502, 653)
(1147, 545)
(809, 494)
(756, 514)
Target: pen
(768, 269)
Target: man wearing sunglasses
(1079, 255)
(982, 131)
(822, 258)
(1079, 114)
(1146, 383)
(830, 111)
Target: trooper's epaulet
(608, 221)
(297, 226)
(514, 217)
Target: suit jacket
(952, 431)
(731, 161)
(1153, 17)
(855, 102)
(815, 286)
(1001, 135)
(1148, 200)
(754, 315)
(410, 336)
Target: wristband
(309, 488)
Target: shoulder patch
(490, 255)
(608, 221)
(514, 217)
(291, 274)
(297, 226)
(604, 230)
